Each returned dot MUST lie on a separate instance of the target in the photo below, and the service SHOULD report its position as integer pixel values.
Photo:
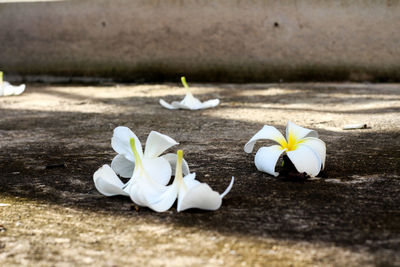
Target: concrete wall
(215, 40)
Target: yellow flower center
(291, 144)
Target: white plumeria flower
(189, 101)
(144, 188)
(124, 163)
(192, 193)
(302, 146)
(106, 180)
(6, 89)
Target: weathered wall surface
(227, 40)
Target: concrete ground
(348, 217)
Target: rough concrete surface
(224, 40)
(348, 217)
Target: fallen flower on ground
(189, 101)
(192, 193)
(124, 163)
(106, 180)
(302, 146)
(6, 89)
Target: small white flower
(189, 101)
(192, 193)
(106, 180)
(156, 143)
(302, 146)
(6, 89)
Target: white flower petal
(193, 194)
(157, 143)
(177, 105)
(140, 189)
(8, 89)
(147, 193)
(200, 196)
(190, 181)
(318, 146)
(210, 103)
(158, 169)
(267, 132)
(107, 182)
(228, 189)
(163, 202)
(171, 157)
(191, 102)
(120, 142)
(267, 157)
(299, 132)
(305, 160)
(19, 89)
(166, 105)
(122, 166)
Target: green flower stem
(178, 171)
(183, 80)
(135, 153)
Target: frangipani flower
(189, 101)
(192, 193)
(7, 89)
(156, 143)
(144, 187)
(106, 179)
(302, 146)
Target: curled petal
(267, 132)
(299, 132)
(171, 158)
(7, 89)
(157, 169)
(210, 103)
(318, 146)
(157, 143)
(107, 182)
(193, 194)
(228, 189)
(200, 196)
(305, 160)
(122, 166)
(120, 142)
(167, 105)
(164, 201)
(157, 197)
(267, 157)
